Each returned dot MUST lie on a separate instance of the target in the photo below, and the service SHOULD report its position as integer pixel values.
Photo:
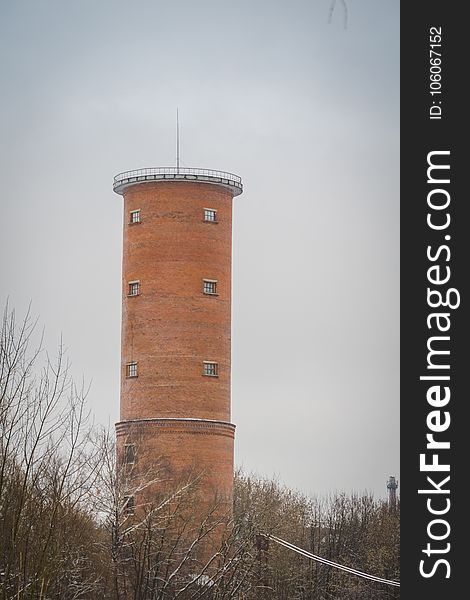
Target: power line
(330, 563)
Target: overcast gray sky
(306, 112)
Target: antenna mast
(177, 142)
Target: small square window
(131, 369)
(211, 369)
(134, 288)
(129, 454)
(135, 216)
(210, 215)
(210, 286)
(129, 505)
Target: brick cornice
(173, 425)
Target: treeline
(353, 530)
(66, 532)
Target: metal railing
(174, 173)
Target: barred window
(210, 286)
(131, 369)
(135, 216)
(129, 505)
(211, 369)
(129, 454)
(134, 288)
(210, 215)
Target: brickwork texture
(177, 416)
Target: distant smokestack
(392, 486)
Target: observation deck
(223, 178)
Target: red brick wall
(171, 327)
(177, 451)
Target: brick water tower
(176, 328)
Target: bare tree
(162, 547)
(47, 466)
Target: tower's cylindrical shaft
(176, 331)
